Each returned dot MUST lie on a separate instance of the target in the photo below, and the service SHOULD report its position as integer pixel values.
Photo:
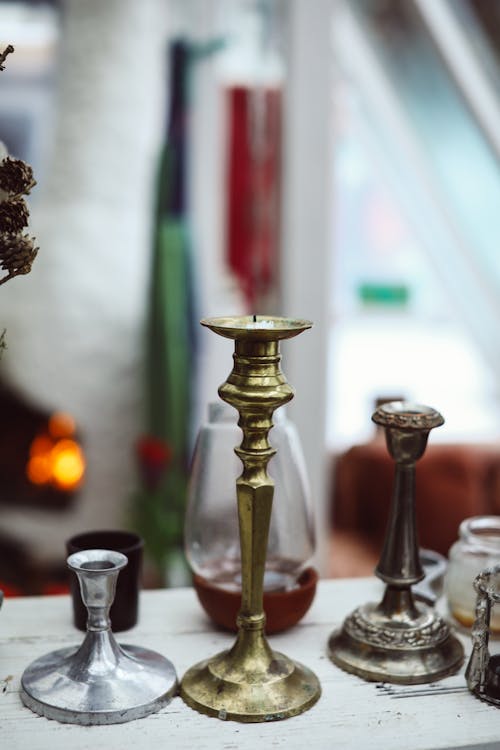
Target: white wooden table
(351, 713)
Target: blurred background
(335, 160)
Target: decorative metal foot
(101, 682)
(250, 683)
(399, 640)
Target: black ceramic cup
(125, 607)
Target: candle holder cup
(399, 640)
(250, 682)
(125, 608)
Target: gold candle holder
(250, 682)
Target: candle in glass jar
(477, 548)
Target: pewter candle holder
(399, 640)
(483, 670)
(250, 682)
(101, 682)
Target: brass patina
(399, 640)
(250, 682)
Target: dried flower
(3, 55)
(16, 177)
(17, 253)
(17, 250)
(14, 215)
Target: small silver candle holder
(399, 639)
(101, 682)
(483, 670)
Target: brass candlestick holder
(250, 682)
(483, 670)
(399, 640)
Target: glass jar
(477, 548)
(211, 527)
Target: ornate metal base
(132, 683)
(486, 697)
(489, 692)
(402, 650)
(215, 687)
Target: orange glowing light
(39, 469)
(61, 425)
(41, 445)
(68, 464)
(56, 459)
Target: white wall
(75, 325)
(307, 250)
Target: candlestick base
(404, 650)
(62, 686)
(265, 686)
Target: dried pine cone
(16, 176)
(14, 215)
(17, 253)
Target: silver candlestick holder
(100, 682)
(399, 639)
(483, 670)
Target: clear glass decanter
(211, 527)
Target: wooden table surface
(351, 713)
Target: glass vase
(211, 527)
